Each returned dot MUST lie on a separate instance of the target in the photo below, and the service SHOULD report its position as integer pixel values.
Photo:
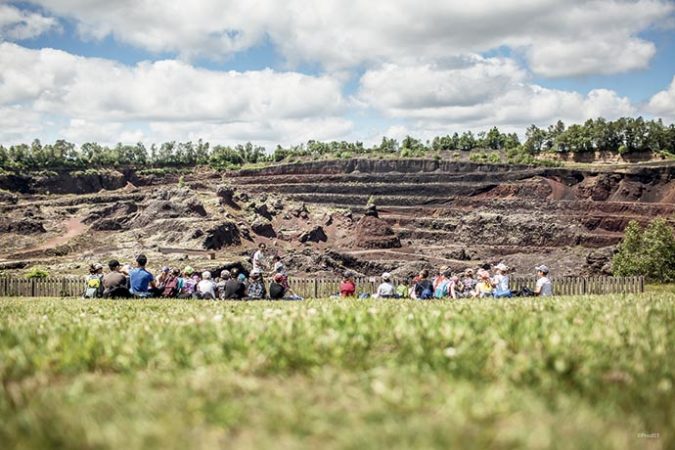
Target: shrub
(649, 252)
(36, 272)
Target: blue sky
(356, 70)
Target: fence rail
(322, 287)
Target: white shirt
(386, 289)
(544, 287)
(259, 260)
(207, 287)
(279, 267)
(501, 282)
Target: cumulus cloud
(89, 92)
(16, 24)
(558, 38)
(484, 92)
(662, 104)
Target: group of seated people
(137, 282)
(467, 284)
(124, 281)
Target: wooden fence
(322, 287)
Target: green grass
(584, 372)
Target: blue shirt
(140, 279)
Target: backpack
(170, 287)
(92, 286)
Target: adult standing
(259, 259)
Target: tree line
(624, 135)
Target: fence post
(316, 288)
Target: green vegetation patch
(576, 372)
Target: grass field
(573, 373)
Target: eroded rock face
(170, 204)
(8, 197)
(316, 234)
(372, 232)
(223, 235)
(118, 210)
(109, 224)
(24, 226)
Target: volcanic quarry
(322, 217)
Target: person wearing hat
(386, 289)
(256, 286)
(187, 283)
(115, 282)
(347, 285)
(220, 282)
(501, 282)
(469, 283)
(543, 288)
(206, 288)
(484, 284)
(277, 289)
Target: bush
(36, 272)
(649, 252)
(494, 158)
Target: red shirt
(347, 288)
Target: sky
(273, 72)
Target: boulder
(225, 196)
(263, 228)
(371, 211)
(223, 235)
(263, 210)
(372, 232)
(316, 234)
(301, 212)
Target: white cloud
(662, 104)
(486, 92)
(101, 99)
(16, 24)
(19, 124)
(558, 37)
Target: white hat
(386, 276)
(501, 266)
(542, 268)
(206, 275)
(98, 266)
